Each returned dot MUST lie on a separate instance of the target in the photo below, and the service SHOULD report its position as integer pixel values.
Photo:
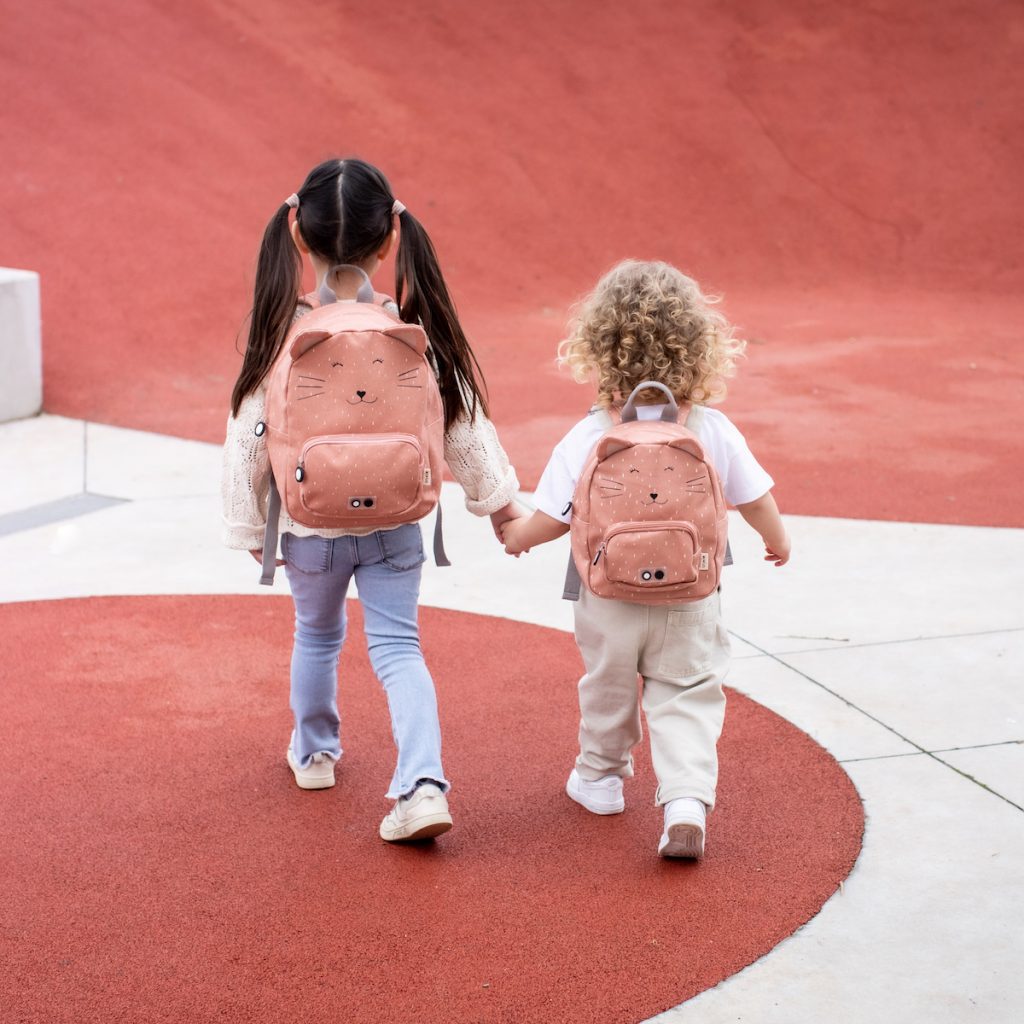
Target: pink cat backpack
(649, 522)
(354, 422)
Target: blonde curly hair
(649, 321)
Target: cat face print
(360, 375)
(649, 481)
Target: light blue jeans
(387, 567)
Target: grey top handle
(670, 414)
(327, 294)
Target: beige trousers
(681, 653)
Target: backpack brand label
(705, 561)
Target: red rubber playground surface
(165, 866)
(846, 175)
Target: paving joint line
(846, 646)
(940, 750)
(884, 725)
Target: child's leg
(683, 666)
(609, 635)
(318, 573)
(388, 578)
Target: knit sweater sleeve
(479, 464)
(245, 477)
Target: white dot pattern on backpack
(646, 508)
(362, 414)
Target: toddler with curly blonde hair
(647, 321)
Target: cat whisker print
(609, 487)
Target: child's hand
(503, 515)
(257, 553)
(778, 552)
(511, 531)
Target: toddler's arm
(520, 535)
(763, 516)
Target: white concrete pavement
(898, 647)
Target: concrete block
(21, 345)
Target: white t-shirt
(741, 474)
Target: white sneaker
(422, 815)
(601, 797)
(318, 775)
(685, 822)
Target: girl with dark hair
(347, 220)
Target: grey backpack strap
(270, 534)
(440, 558)
(572, 581)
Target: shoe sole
(684, 840)
(305, 783)
(428, 827)
(579, 798)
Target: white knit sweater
(471, 449)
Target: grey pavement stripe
(54, 512)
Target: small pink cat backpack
(354, 422)
(649, 522)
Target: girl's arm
(245, 478)
(520, 535)
(480, 466)
(763, 516)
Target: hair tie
(292, 201)
(397, 208)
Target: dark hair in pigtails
(278, 278)
(345, 216)
(279, 272)
(428, 303)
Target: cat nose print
(361, 394)
(654, 496)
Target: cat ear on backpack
(691, 445)
(305, 340)
(411, 335)
(609, 445)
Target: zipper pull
(567, 509)
(598, 556)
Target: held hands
(501, 519)
(512, 536)
(521, 534)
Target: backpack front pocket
(361, 476)
(651, 554)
